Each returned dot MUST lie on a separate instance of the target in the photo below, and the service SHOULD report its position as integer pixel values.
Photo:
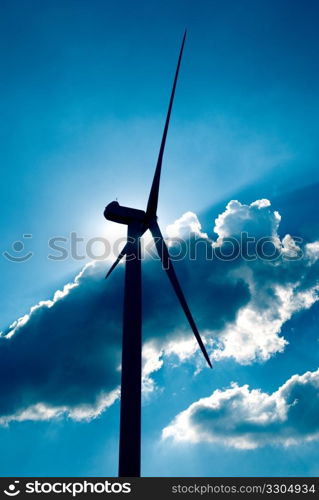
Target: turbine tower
(139, 221)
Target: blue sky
(85, 87)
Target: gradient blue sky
(84, 88)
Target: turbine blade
(168, 266)
(153, 197)
(119, 258)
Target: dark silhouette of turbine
(139, 221)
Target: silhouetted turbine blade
(119, 258)
(168, 266)
(153, 197)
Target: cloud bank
(64, 356)
(246, 418)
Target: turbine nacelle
(123, 215)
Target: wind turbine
(139, 221)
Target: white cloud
(43, 411)
(246, 418)
(312, 252)
(278, 288)
(256, 332)
(186, 226)
(257, 219)
(152, 362)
